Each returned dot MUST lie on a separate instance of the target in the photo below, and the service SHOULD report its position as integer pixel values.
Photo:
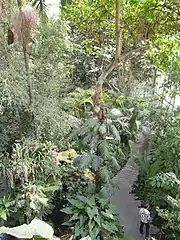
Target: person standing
(145, 219)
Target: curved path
(127, 206)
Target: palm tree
(40, 6)
(24, 24)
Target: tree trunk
(99, 85)
(99, 109)
(26, 62)
(25, 53)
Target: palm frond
(40, 6)
(24, 22)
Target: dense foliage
(60, 146)
(158, 181)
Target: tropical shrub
(92, 216)
(34, 173)
(167, 186)
(158, 181)
(50, 79)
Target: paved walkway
(127, 206)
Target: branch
(124, 56)
(98, 90)
(159, 95)
(116, 62)
(118, 58)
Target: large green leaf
(40, 228)
(115, 164)
(92, 212)
(95, 231)
(78, 229)
(110, 227)
(67, 210)
(91, 225)
(104, 149)
(96, 162)
(107, 214)
(74, 217)
(91, 201)
(97, 219)
(77, 204)
(23, 231)
(35, 228)
(91, 188)
(3, 214)
(103, 194)
(82, 220)
(104, 175)
(82, 198)
(83, 161)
